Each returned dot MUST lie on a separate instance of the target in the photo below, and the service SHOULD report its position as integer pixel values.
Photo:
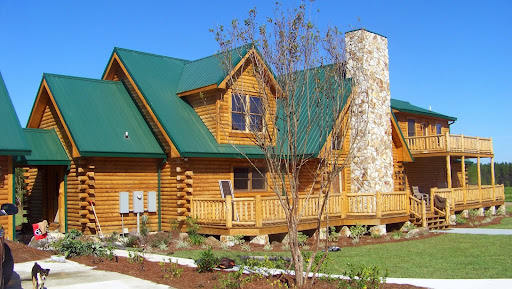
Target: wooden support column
(479, 173)
(229, 212)
(448, 172)
(493, 180)
(492, 172)
(463, 164)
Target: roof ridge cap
(152, 54)
(218, 53)
(81, 78)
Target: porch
(259, 215)
(264, 215)
(447, 143)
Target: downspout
(160, 193)
(66, 199)
(13, 176)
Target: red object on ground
(38, 235)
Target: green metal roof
(158, 78)
(98, 114)
(207, 71)
(405, 106)
(12, 141)
(46, 148)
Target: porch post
(448, 172)
(229, 212)
(259, 212)
(493, 179)
(463, 164)
(479, 173)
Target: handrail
(449, 143)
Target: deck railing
(471, 195)
(261, 211)
(449, 143)
(258, 211)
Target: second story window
(438, 128)
(411, 127)
(246, 113)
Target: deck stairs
(434, 221)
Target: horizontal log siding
(205, 105)
(249, 84)
(114, 175)
(34, 201)
(5, 190)
(208, 172)
(431, 122)
(431, 172)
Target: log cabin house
(12, 145)
(165, 125)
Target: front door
(54, 196)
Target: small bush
(268, 247)
(397, 235)
(232, 280)
(302, 238)
(174, 224)
(144, 229)
(367, 277)
(238, 239)
(160, 241)
(72, 246)
(135, 256)
(181, 244)
(376, 236)
(333, 235)
(131, 241)
(207, 261)
(358, 231)
(473, 213)
(170, 269)
(246, 247)
(196, 239)
(459, 219)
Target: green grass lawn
(449, 256)
(508, 194)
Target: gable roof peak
(116, 49)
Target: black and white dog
(39, 276)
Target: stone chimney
(367, 64)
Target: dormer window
(246, 113)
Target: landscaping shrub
(367, 277)
(358, 231)
(207, 261)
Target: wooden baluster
(447, 213)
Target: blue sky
(453, 56)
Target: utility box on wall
(124, 203)
(138, 202)
(151, 202)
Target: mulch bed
(191, 279)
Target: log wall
(430, 122)
(431, 172)
(6, 191)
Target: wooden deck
(264, 215)
(449, 144)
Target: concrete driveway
(73, 275)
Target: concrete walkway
(73, 275)
(477, 231)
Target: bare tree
(297, 113)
